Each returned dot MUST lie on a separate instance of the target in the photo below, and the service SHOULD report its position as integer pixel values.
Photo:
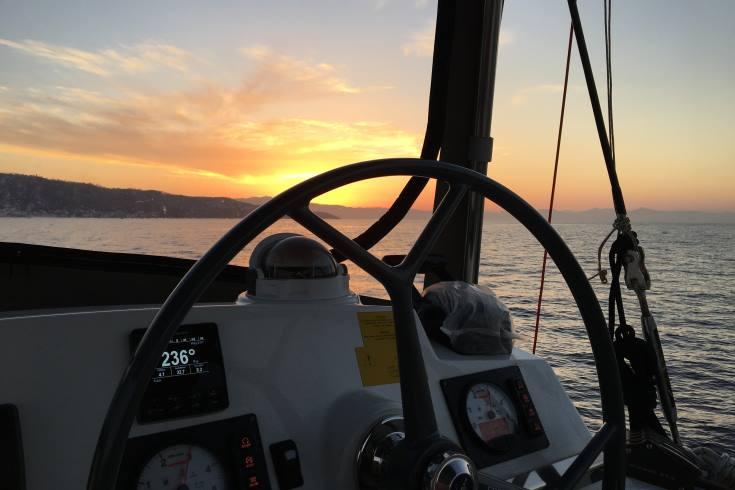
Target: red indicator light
(253, 482)
(249, 462)
(245, 443)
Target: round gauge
(183, 467)
(491, 413)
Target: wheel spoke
(589, 454)
(335, 238)
(430, 234)
(417, 406)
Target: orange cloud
(284, 71)
(207, 130)
(211, 132)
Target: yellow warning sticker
(378, 358)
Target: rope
(553, 182)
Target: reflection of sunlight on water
(693, 295)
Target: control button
(246, 442)
(248, 462)
(534, 426)
(287, 465)
(254, 481)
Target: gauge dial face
(183, 467)
(490, 412)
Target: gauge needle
(186, 468)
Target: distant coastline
(30, 196)
(26, 196)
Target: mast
(466, 137)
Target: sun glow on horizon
(236, 112)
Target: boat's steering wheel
(422, 438)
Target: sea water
(693, 295)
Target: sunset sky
(248, 98)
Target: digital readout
(190, 376)
(182, 358)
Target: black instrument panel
(223, 455)
(190, 376)
(494, 415)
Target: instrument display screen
(490, 412)
(189, 378)
(187, 355)
(494, 415)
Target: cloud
(206, 130)
(209, 128)
(142, 57)
(522, 95)
(279, 73)
(230, 149)
(421, 43)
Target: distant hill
(25, 195)
(637, 216)
(589, 216)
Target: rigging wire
(607, 8)
(617, 193)
(553, 181)
(625, 251)
(607, 13)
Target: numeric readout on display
(181, 358)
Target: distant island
(30, 196)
